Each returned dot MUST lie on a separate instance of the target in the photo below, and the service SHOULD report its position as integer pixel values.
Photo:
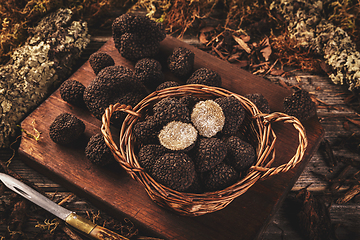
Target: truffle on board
(66, 128)
(98, 152)
(208, 118)
(167, 84)
(72, 91)
(234, 114)
(111, 84)
(100, 60)
(171, 109)
(205, 76)
(148, 154)
(300, 105)
(178, 136)
(174, 170)
(181, 62)
(240, 154)
(209, 152)
(149, 72)
(220, 177)
(137, 36)
(260, 101)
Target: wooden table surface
(347, 215)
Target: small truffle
(66, 128)
(240, 154)
(208, 118)
(136, 36)
(100, 60)
(189, 101)
(148, 154)
(167, 84)
(174, 170)
(260, 102)
(171, 109)
(72, 91)
(146, 132)
(149, 72)
(300, 105)
(181, 62)
(234, 114)
(220, 177)
(205, 76)
(178, 136)
(209, 152)
(98, 152)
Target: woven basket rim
(200, 203)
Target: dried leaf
(245, 38)
(242, 44)
(356, 122)
(206, 29)
(202, 38)
(346, 125)
(276, 72)
(266, 51)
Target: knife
(71, 218)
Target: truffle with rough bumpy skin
(181, 62)
(209, 152)
(100, 60)
(234, 114)
(300, 105)
(220, 177)
(136, 36)
(208, 118)
(167, 84)
(174, 170)
(260, 102)
(149, 72)
(98, 152)
(171, 109)
(148, 154)
(189, 101)
(178, 136)
(111, 84)
(205, 76)
(66, 128)
(146, 132)
(240, 154)
(72, 91)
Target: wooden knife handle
(92, 230)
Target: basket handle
(303, 142)
(105, 130)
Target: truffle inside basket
(257, 129)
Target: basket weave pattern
(194, 204)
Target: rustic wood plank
(113, 190)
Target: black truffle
(100, 60)
(189, 101)
(148, 154)
(220, 177)
(181, 62)
(111, 84)
(260, 102)
(149, 72)
(234, 114)
(174, 170)
(146, 132)
(167, 84)
(171, 109)
(98, 152)
(66, 128)
(209, 152)
(72, 91)
(137, 36)
(205, 76)
(240, 154)
(300, 105)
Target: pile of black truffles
(186, 143)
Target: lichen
(39, 67)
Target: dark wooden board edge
(292, 175)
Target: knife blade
(71, 218)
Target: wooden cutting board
(111, 189)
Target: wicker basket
(191, 204)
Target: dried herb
(328, 153)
